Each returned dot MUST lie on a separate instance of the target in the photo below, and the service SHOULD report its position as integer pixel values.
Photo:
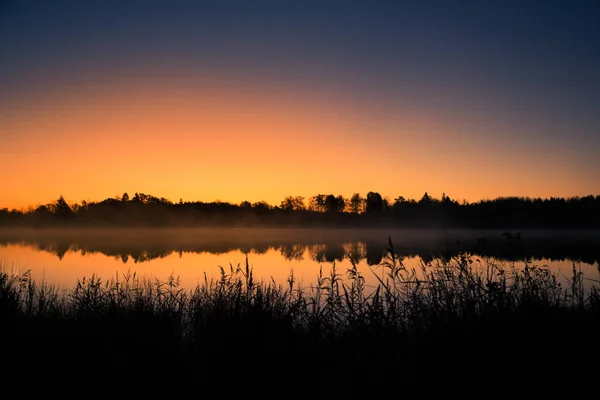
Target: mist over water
(61, 257)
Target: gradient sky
(256, 100)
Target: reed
(451, 319)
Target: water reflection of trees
(319, 249)
(60, 249)
(292, 252)
(317, 252)
(330, 253)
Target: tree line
(320, 210)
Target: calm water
(61, 257)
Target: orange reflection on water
(192, 268)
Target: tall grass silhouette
(452, 318)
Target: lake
(62, 257)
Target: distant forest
(321, 210)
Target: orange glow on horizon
(207, 142)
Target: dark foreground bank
(458, 325)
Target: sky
(258, 100)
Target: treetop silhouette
(321, 210)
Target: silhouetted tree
(293, 203)
(138, 198)
(357, 204)
(75, 207)
(62, 210)
(42, 213)
(147, 210)
(261, 206)
(374, 203)
(425, 200)
(334, 204)
(317, 203)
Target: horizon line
(217, 200)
